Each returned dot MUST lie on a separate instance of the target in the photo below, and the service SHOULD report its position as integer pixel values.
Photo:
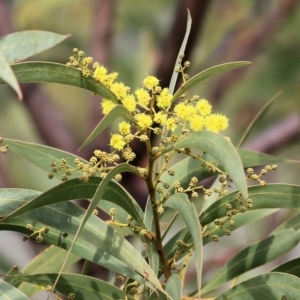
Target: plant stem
(158, 238)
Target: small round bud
(113, 211)
(187, 64)
(143, 232)
(46, 229)
(218, 222)
(227, 232)
(263, 183)
(129, 218)
(232, 223)
(39, 239)
(120, 278)
(48, 288)
(179, 243)
(29, 226)
(71, 296)
(118, 177)
(228, 206)
(195, 195)
(215, 238)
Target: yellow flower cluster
(151, 107)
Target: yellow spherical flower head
(110, 79)
(160, 118)
(124, 128)
(129, 103)
(107, 106)
(120, 90)
(100, 73)
(150, 82)
(144, 121)
(185, 112)
(216, 122)
(143, 97)
(164, 99)
(171, 124)
(197, 123)
(117, 141)
(203, 107)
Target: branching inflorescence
(154, 112)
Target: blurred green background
(131, 37)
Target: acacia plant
(180, 133)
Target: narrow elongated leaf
(18, 46)
(75, 189)
(253, 256)
(143, 268)
(84, 287)
(208, 73)
(41, 156)
(13, 271)
(221, 149)
(7, 75)
(98, 242)
(181, 50)
(47, 261)
(268, 286)
(9, 292)
(173, 287)
(252, 158)
(293, 222)
(180, 203)
(85, 249)
(258, 118)
(110, 118)
(291, 267)
(59, 73)
(271, 196)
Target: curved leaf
(252, 158)
(268, 286)
(98, 242)
(18, 46)
(59, 73)
(75, 189)
(257, 118)
(208, 73)
(291, 267)
(84, 287)
(221, 149)
(181, 50)
(144, 268)
(41, 156)
(293, 222)
(271, 196)
(180, 203)
(253, 256)
(9, 292)
(110, 118)
(8, 76)
(173, 287)
(47, 261)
